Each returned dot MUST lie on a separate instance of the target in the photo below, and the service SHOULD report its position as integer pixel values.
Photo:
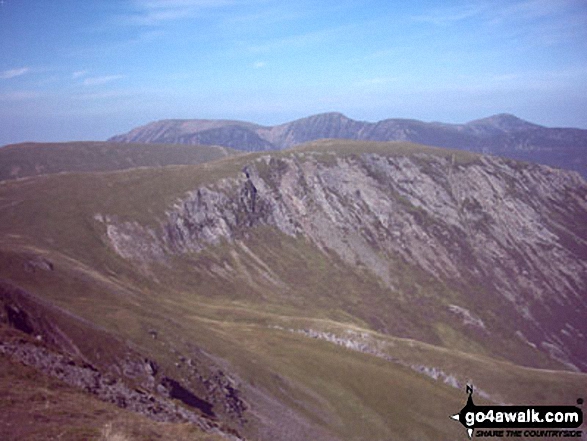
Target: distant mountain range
(502, 135)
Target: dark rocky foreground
(135, 382)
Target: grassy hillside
(315, 348)
(32, 159)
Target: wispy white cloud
(527, 22)
(300, 40)
(533, 9)
(542, 23)
(95, 81)
(13, 73)
(21, 95)
(155, 12)
(265, 16)
(79, 73)
(259, 64)
(448, 15)
(534, 81)
(500, 11)
(111, 94)
(378, 81)
(180, 4)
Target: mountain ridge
(502, 135)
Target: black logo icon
(515, 417)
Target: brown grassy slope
(35, 407)
(33, 159)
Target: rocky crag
(491, 232)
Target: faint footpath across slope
(32, 159)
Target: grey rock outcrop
(130, 381)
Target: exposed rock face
(109, 389)
(503, 135)
(131, 381)
(509, 237)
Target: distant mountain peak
(328, 116)
(502, 121)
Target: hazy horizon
(90, 70)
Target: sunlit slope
(33, 159)
(348, 290)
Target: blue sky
(91, 69)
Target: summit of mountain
(504, 122)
